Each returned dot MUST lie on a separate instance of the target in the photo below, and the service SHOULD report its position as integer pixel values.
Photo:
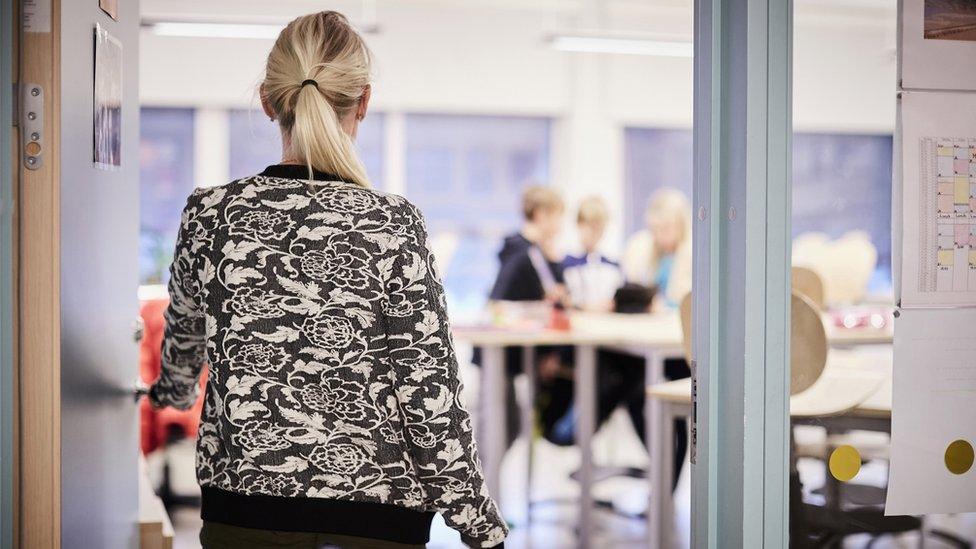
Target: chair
(808, 354)
(808, 283)
(819, 390)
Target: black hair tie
(309, 82)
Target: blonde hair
(672, 204)
(642, 256)
(536, 198)
(593, 209)
(322, 48)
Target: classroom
(524, 273)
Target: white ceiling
(636, 15)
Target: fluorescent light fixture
(626, 46)
(216, 30)
(262, 30)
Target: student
(660, 255)
(315, 301)
(530, 269)
(592, 278)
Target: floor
(553, 494)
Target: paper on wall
(937, 45)
(36, 15)
(933, 405)
(937, 200)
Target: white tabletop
(650, 330)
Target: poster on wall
(938, 45)
(937, 200)
(933, 428)
(36, 15)
(111, 7)
(108, 101)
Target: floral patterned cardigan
(333, 403)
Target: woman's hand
(153, 403)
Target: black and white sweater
(333, 402)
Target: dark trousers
(215, 535)
(620, 382)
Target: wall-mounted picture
(108, 100)
(938, 45)
(950, 20)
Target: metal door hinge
(31, 110)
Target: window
(255, 143)
(654, 158)
(841, 183)
(466, 173)
(165, 179)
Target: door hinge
(32, 136)
(14, 105)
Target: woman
(332, 414)
(660, 256)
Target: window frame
(741, 310)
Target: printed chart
(933, 207)
(947, 246)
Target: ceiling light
(216, 30)
(213, 29)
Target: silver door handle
(140, 390)
(138, 329)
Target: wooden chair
(815, 389)
(819, 390)
(685, 310)
(808, 344)
(808, 283)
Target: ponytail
(317, 73)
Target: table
(657, 337)
(872, 414)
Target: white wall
(489, 56)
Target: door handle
(138, 329)
(139, 390)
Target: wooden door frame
(37, 304)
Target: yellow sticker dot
(959, 457)
(844, 463)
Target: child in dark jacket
(530, 269)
